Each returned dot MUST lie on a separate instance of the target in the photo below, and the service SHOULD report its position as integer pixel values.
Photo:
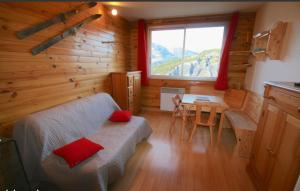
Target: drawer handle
(270, 97)
(270, 151)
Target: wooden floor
(163, 162)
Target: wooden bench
(245, 119)
(243, 115)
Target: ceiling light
(114, 12)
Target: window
(186, 52)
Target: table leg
(183, 124)
(221, 126)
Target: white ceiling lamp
(114, 12)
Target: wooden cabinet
(261, 159)
(286, 166)
(275, 160)
(127, 90)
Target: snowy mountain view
(165, 62)
(197, 60)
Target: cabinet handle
(270, 151)
(270, 97)
(298, 109)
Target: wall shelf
(259, 51)
(268, 43)
(262, 34)
(240, 52)
(242, 65)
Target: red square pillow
(77, 151)
(120, 116)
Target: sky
(197, 39)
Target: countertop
(285, 85)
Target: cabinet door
(137, 92)
(287, 156)
(262, 159)
(130, 106)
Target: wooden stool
(178, 112)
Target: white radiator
(166, 95)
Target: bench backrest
(252, 105)
(234, 98)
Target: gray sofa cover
(40, 133)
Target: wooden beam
(189, 20)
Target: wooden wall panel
(240, 50)
(238, 61)
(76, 67)
(133, 38)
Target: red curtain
(142, 51)
(222, 79)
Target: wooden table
(188, 104)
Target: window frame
(182, 26)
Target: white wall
(288, 68)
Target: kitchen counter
(285, 85)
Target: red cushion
(120, 116)
(77, 151)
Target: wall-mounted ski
(59, 18)
(72, 30)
